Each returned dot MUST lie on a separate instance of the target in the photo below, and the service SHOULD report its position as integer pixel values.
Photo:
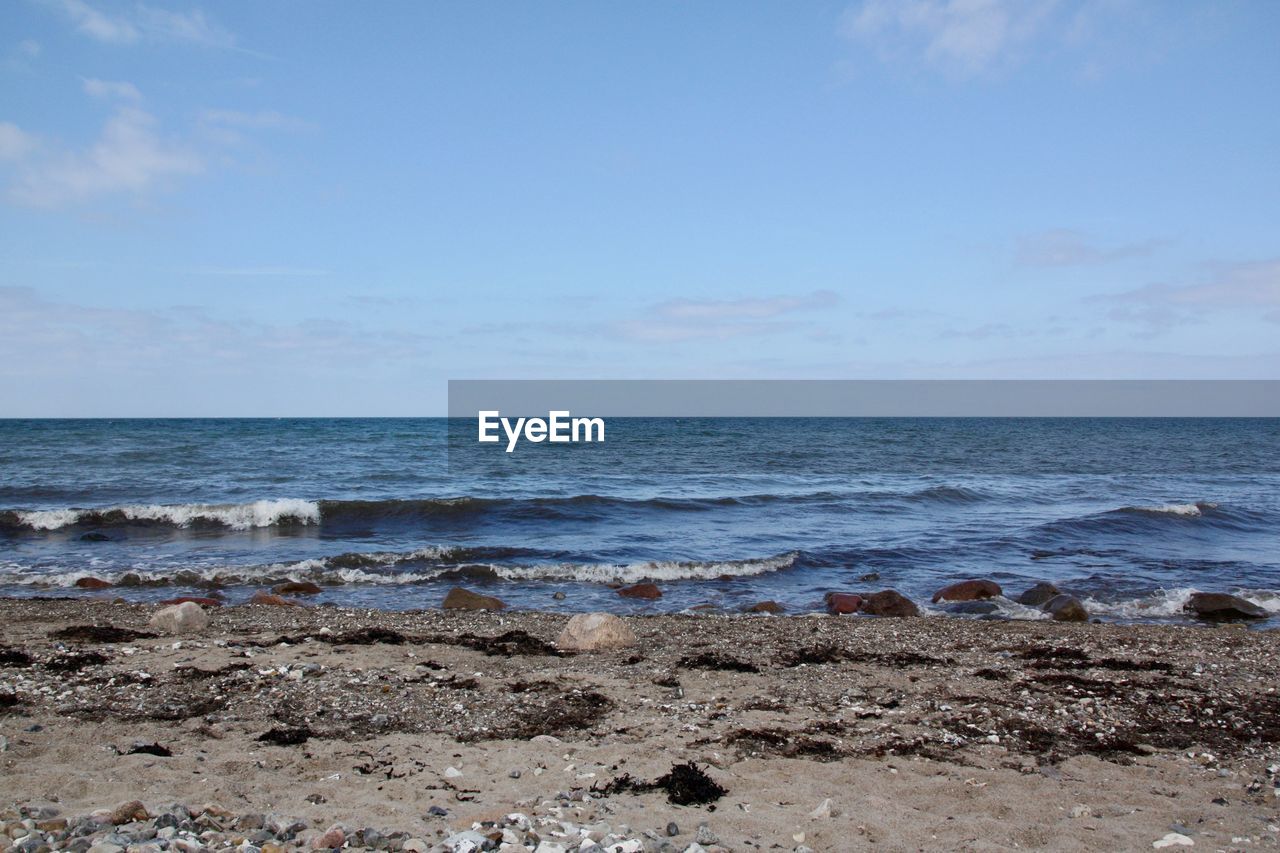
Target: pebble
(672, 830)
(452, 772)
(1173, 839)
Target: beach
(277, 727)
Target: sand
(924, 734)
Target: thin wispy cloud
(1064, 247)
(688, 319)
(1249, 287)
(263, 271)
(145, 23)
(15, 143)
(111, 89)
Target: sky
(324, 209)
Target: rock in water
(1219, 605)
(647, 591)
(765, 607)
(91, 583)
(264, 597)
(185, 618)
(464, 599)
(1039, 594)
(1066, 608)
(968, 591)
(839, 603)
(889, 602)
(296, 588)
(590, 632)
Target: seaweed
(783, 744)
(684, 784)
(100, 634)
(14, 657)
(717, 661)
(150, 749)
(195, 673)
(286, 737)
(74, 661)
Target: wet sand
(922, 734)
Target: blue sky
(247, 208)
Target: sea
(1130, 515)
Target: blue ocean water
(1130, 514)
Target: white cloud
(145, 22)
(1252, 287)
(15, 143)
(29, 48)
(262, 119)
(111, 89)
(1064, 247)
(687, 319)
(129, 156)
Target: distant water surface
(1130, 514)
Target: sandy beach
(824, 732)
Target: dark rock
(672, 829)
(1066, 608)
(296, 588)
(971, 590)
(1215, 606)
(869, 577)
(765, 607)
(270, 599)
(647, 591)
(889, 602)
(464, 599)
(559, 596)
(91, 583)
(1039, 594)
(840, 603)
(129, 812)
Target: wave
(419, 566)
(280, 512)
(263, 513)
(1169, 603)
(1192, 510)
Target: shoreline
(922, 733)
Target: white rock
(452, 772)
(465, 842)
(1173, 839)
(824, 809)
(590, 632)
(185, 618)
(550, 847)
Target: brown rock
(765, 607)
(1066, 608)
(56, 824)
(129, 812)
(647, 591)
(464, 599)
(194, 599)
(968, 591)
(1218, 605)
(332, 839)
(296, 588)
(91, 583)
(593, 632)
(1039, 594)
(842, 602)
(889, 602)
(267, 598)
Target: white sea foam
(264, 513)
(662, 570)
(1189, 510)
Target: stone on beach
(129, 812)
(1066, 608)
(647, 591)
(185, 618)
(1039, 594)
(970, 590)
(296, 588)
(270, 599)
(590, 632)
(765, 607)
(91, 583)
(889, 602)
(464, 599)
(840, 603)
(1219, 605)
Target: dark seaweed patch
(150, 749)
(784, 744)
(286, 737)
(194, 673)
(14, 657)
(546, 712)
(717, 661)
(99, 634)
(74, 661)
(509, 644)
(684, 784)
